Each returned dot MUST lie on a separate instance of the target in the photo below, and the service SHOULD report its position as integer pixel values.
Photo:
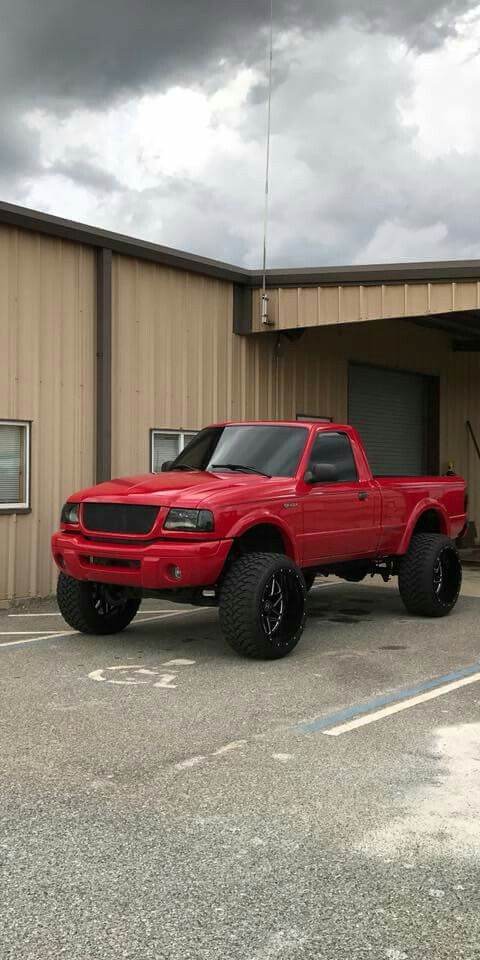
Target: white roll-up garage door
(393, 411)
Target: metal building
(113, 351)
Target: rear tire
(95, 607)
(262, 605)
(430, 575)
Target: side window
(166, 445)
(335, 448)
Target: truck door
(342, 515)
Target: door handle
(363, 495)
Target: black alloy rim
(447, 576)
(282, 607)
(438, 576)
(272, 605)
(107, 600)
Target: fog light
(175, 572)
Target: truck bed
(405, 498)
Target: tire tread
(414, 576)
(75, 607)
(236, 597)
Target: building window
(166, 445)
(14, 465)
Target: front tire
(309, 576)
(430, 575)
(262, 605)
(98, 608)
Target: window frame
(25, 506)
(181, 432)
(339, 433)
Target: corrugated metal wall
(172, 346)
(47, 375)
(176, 364)
(312, 378)
(289, 308)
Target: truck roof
(283, 423)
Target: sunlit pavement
(163, 798)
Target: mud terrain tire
(262, 605)
(94, 607)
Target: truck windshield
(258, 448)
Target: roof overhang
(386, 273)
(444, 295)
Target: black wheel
(309, 576)
(95, 607)
(430, 575)
(262, 605)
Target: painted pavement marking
(46, 635)
(201, 758)
(27, 633)
(388, 704)
(58, 614)
(134, 676)
(51, 636)
(130, 675)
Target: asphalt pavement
(161, 797)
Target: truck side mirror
(321, 473)
(166, 466)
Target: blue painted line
(334, 719)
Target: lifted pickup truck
(245, 518)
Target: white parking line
(48, 635)
(52, 636)
(25, 633)
(177, 613)
(403, 705)
(58, 614)
(34, 614)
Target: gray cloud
(347, 181)
(75, 52)
(86, 173)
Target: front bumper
(148, 566)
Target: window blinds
(12, 468)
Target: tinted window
(268, 448)
(335, 448)
(198, 452)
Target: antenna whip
(265, 318)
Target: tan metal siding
(312, 375)
(47, 375)
(172, 347)
(177, 363)
(349, 303)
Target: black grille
(119, 517)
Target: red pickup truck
(245, 518)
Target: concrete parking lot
(163, 798)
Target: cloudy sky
(148, 117)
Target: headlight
(70, 513)
(197, 520)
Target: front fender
(255, 518)
(427, 504)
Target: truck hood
(183, 488)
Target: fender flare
(257, 519)
(427, 504)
